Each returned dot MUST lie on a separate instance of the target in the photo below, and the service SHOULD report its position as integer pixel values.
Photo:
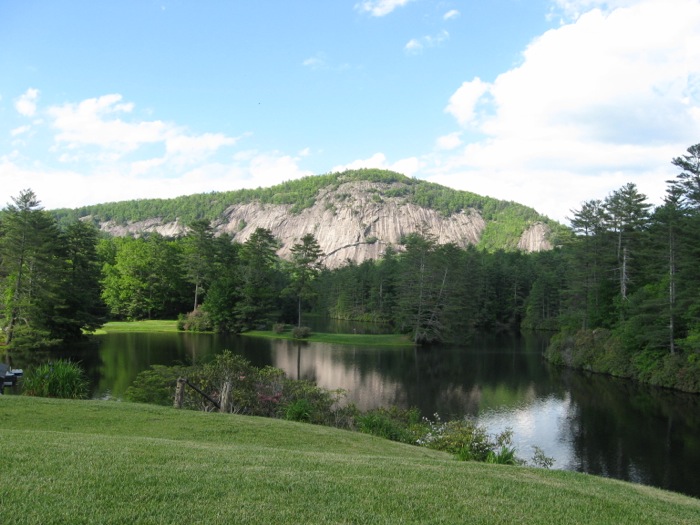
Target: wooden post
(225, 397)
(179, 392)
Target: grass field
(107, 462)
(138, 326)
(354, 339)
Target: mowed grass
(353, 339)
(137, 326)
(108, 462)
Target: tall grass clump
(62, 379)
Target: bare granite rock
(351, 222)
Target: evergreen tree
(85, 309)
(305, 268)
(258, 263)
(225, 289)
(50, 279)
(198, 257)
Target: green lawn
(138, 326)
(353, 339)
(113, 463)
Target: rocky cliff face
(353, 221)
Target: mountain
(354, 215)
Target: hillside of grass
(109, 462)
(506, 220)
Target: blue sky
(545, 102)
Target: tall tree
(627, 214)
(306, 265)
(257, 262)
(82, 290)
(225, 289)
(423, 285)
(145, 281)
(198, 257)
(33, 269)
(688, 181)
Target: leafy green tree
(145, 281)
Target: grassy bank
(343, 339)
(107, 462)
(138, 326)
(348, 339)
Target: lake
(587, 423)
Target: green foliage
(299, 410)
(62, 379)
(155, 385)
(391, 423)
(49, 279)
(468, 441)
(301, 332)
(197, 321)
(504, 456)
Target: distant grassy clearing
(344, 339)
(107, 462)
(348, 339)
(138, 326)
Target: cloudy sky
(544, 102)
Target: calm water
(585, 422)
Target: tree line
(620, 290)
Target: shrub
(278, 328)
(381, 423)
(301, 332)
(62, 379)
(312, 402)
(226, 367)
(299, 410)
(156, 385)
(465, 439)
(196, 321)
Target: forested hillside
(326, 200)
(622, 290)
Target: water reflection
(587, 423)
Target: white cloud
(94, 122)
(449, 141)
(606, 99)
(413, 46)
(463, 103)
(416, 45)
(572, 9)
(380, 7)
(26, 103)
(315, 62)
(409, 166)
(193, 148)
(94, 131)
(143, 179)
(453, 13)
(20, 130)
